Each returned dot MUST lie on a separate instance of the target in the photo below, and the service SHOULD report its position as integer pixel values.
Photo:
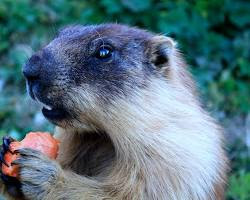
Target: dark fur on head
(70, 63)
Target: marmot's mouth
(52, 110)
(54, 114)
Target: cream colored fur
(167, 146)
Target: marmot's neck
(150, 115)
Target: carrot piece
(9, 158)
(40, 141)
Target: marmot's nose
(31, 69)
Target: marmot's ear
(160, 49)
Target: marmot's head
(89, 66)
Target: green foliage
(214, 36)
(239, 186)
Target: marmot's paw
(12, 184)
(38, 173)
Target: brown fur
(147, 139)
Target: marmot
(128, 117)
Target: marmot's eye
(104, 52)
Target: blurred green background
(214, 36)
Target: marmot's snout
(35, 73)
(40, 74)
(31, 70)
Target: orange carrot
(40, 141)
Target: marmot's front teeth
(47, 107)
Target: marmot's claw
(5, 147)
(2, 158)
(6, 143)
(13, 185)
